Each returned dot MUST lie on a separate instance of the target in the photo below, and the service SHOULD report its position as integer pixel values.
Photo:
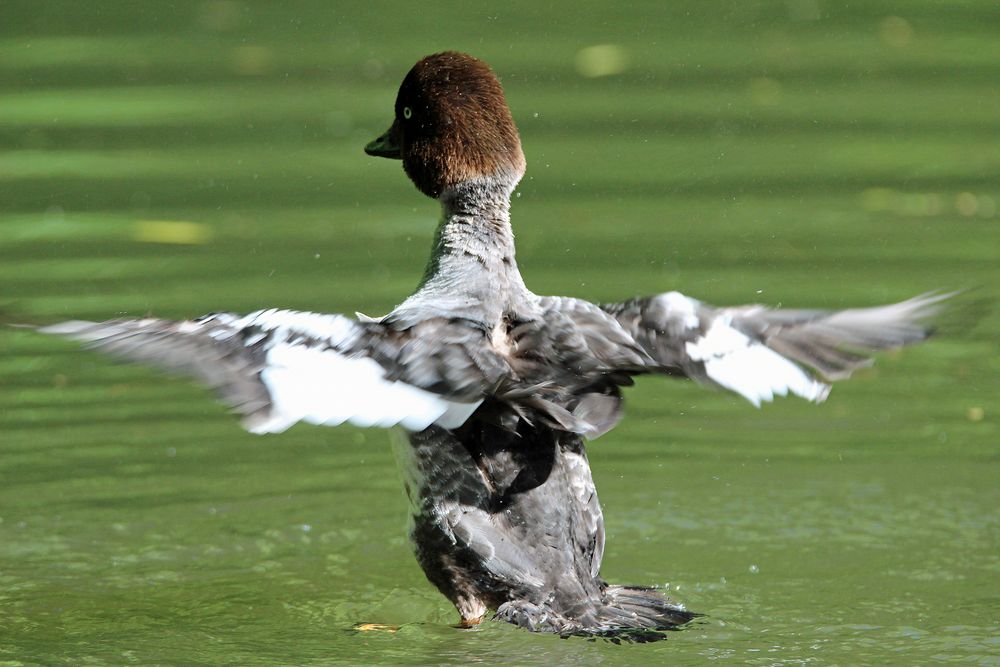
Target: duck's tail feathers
(625, 613)
(647, 606)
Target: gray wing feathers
(585, 355)
(587, 339)
(759, 352)
(206, 351)
(440, 356)
(662, 325)
(279, 367)
(837, 343)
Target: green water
(195, 156)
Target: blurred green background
(184, 157)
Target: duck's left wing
(279, 367)
(759, 352)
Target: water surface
(207, 156)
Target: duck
(497, 391)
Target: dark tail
(625, 613)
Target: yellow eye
(407, 113)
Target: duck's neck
(472, 271)
(474, 233)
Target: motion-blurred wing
(759, 352)
(279, 367)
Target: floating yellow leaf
(376, 627)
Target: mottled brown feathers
(454, 125)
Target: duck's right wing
(759, 352)
(279, 367)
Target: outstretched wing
(279, 367)
(759, 352)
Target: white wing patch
(303, 364)
(322, 386)
(337, 329)
(682, 307)
(319, 385)
(750, 368)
